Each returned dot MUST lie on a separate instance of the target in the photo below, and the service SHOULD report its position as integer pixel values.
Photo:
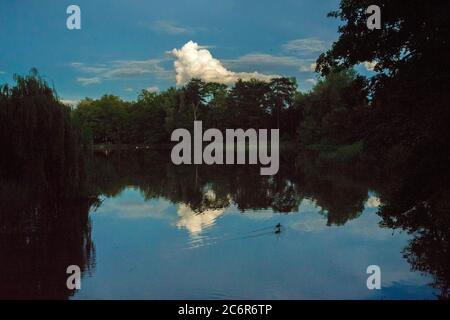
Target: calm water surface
(158, 231)
(157, 249)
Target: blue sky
(124, 46)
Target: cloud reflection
(196, 222)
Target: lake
(159, 231)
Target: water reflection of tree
(155, 176)
(341, 196)
(414, 202)
(417, 201)
(429, 251)
(339, 189)
(39, 239)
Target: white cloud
(153, 89)
(129, 89)
(312, 67)
(98, 68)
(262, 61)
(2, 72)
(133, 68)
(170, 27)
(88, 81)
(305, 46)
(70, 102)
(120, 69)
(193, 61)
(311, 81)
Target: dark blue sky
(123, 46)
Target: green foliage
(151, 119)
(332, 113)
(104, 118)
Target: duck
(278, 228)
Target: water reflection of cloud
(196, 222)
(306, 206)
(373, 202)
(308, 218)
(311, 218)
(310, 222)
(330, 260)
(130, 205)
(210, 195)
(366, 226)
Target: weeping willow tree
(39, 142)
(45, 211)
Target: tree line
(323, 117)
(153, 116)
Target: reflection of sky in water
(159, 250)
